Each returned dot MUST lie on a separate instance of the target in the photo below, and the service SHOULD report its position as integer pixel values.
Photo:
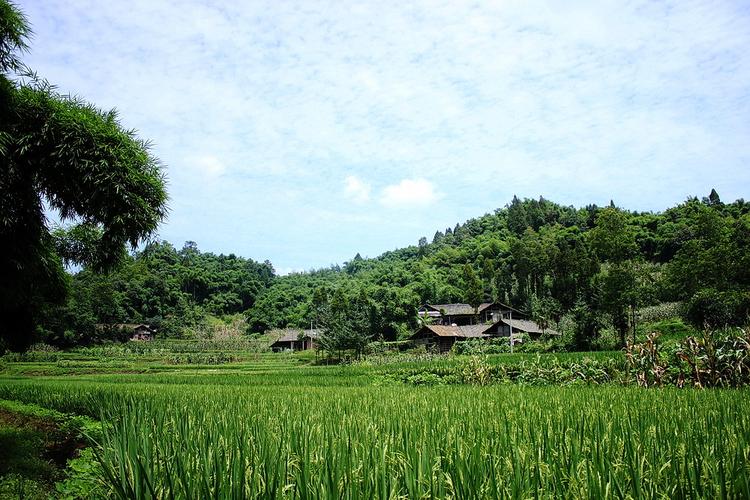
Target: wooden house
(294, 339)
(143, 332)
(443, 337)
(130, 331)
(464, 314)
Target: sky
(305, 132)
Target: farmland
(274, 426)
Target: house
(294, 339)
(142, 332)
(131, 331)
(524, 327)
(464, 314)
(442, 337)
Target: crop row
(233, 441)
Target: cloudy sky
(304, 132)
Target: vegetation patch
(38, 445)
(721, 359)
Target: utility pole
(511, 331)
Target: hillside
(593, 264)
(589, 267)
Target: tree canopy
(61, 155)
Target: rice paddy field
(273, 426)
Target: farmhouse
(464, 314)
(132, 331)
(143, 332)
(442, 337)
(294, 339)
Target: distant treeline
(173, 290)
(592, 267)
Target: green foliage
(62, 153)
(721, 359)
(601, 272)
(36, 444)
(14, 31)
(613, 238)
(473, 287)
(661, 312)
(84, 479)
(175, 291)
(672, 329)
(316, 432)
(598, 266)
(345, 324)
(711, 308)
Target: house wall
(460, 320)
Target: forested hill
(591, 266)
(176, 291)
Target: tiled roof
(466, 309)
(466, 332)
(294, 334)
(528, 326)
(453, 309)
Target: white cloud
(356, 190)
(208, 166)
(273, 112)
(285, 271)
(409, 193)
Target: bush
(476, 370)
(718, 360)
(672, 329)
(710, 308)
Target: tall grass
(226, 439)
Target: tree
(422, 247)
(613, 239)
(473, 287)
(619, 294)
(713, 199)
(65, 154)
(346, 324)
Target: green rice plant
(220, 436)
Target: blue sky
(305, 132)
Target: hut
(129, 331)
(294, 339)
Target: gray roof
(453, 309)
(527, 326)
(294, 334)
(465, 332)
(466, 309)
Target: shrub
(711, 308)
(672, 329)
(719, 360)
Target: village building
(451, 323)
(464, 314)
(294, 339)
(133, 331)
(442, 337)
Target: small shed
(520, 326)
(127, 331)
(143, 332)
(295, 339)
